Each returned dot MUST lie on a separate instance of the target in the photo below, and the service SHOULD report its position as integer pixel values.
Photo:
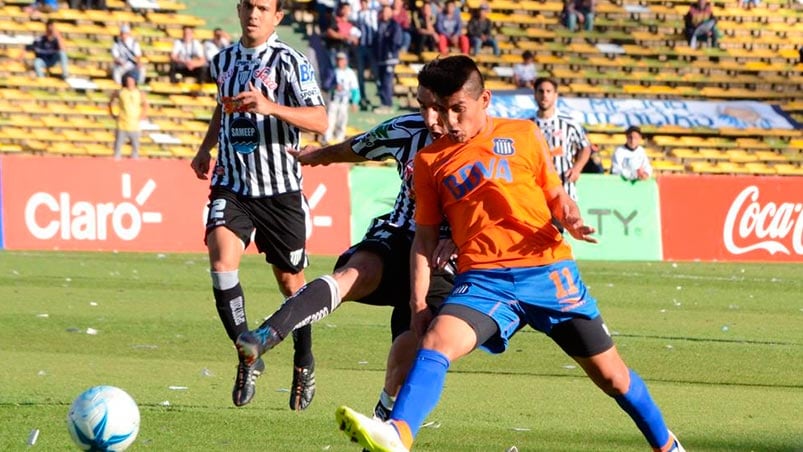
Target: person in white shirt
(187, 57)
(345, 93)
(127, 57)
(630, 161)
(220, 40)
(524, 73)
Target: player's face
(258, 19)
(429, 111)
(545, 96)
(463, 114)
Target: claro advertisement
(90, 204)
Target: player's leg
(225, 249)
(228, 231)
(405, 343)
(571, 318)
(318, 298)
(302, 388)
(357, 275)
(471, 316)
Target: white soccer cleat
(372, 434)
(676, 446)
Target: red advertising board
(732, 218)
(99, 204)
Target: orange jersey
(491, 190)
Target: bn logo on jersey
(504, 146)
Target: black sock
(311, 303)
(302, 346)
(231, 309)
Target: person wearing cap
(480, 30)
(345, 93)
(127, 57)
(630, 160)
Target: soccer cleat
(245, 382)
(676, 447)
(303, 389)
(372, 434)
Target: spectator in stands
(630, 161)
(749, 4)
(127, 56)
(425, 36)
(367, 22)
(594, 163)
(325, 10)
(345, 95)
(402, 15)
(450, 29)
(49, 50)
(480, 30)
(578, 13)
(128, 106)
(39, 7)
(386, 51)
(187, 58)
(220, 40)
(700, 23)
(524, 73)
(88, 4)
(341, 35)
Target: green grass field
(720, 346)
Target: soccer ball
(103, 418)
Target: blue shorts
(541, 297)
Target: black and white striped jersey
(566, 138)
(251, 147)
(398, 138)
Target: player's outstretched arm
(566, 211)
(315, 155)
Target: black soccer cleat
(245, 382)
(303, 389)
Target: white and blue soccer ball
(103, 418)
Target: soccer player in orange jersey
(493, 180)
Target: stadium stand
(637, 49)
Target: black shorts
(392, 244)
(278, 224)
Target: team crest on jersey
(244, 135)
(504, 146)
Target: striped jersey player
(266, 95)
(567, 140)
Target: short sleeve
(427, 207)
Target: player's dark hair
(279, 4)
(541, 80)
(446, 76)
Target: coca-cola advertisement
(732, 218)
